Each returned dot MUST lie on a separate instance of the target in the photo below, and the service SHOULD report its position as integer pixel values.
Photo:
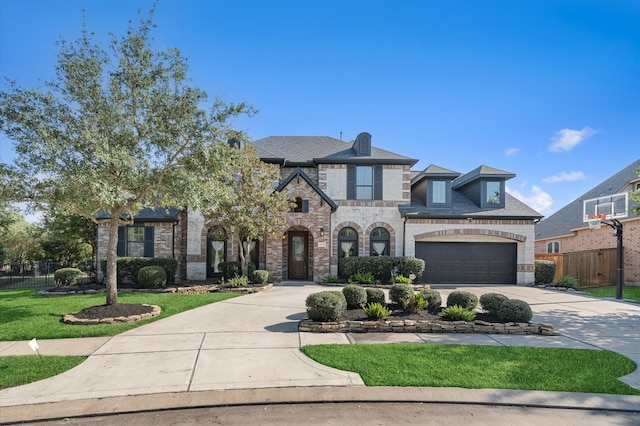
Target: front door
(298, 255)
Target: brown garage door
(468, 263)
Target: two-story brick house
(353, 199)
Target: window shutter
(148, 241)
(351, 182)
(122, 240)
(377, 182)
(305, 206)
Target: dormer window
(438, 193)
(493, 194)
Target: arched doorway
(216, 250)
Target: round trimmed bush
(260, 276)
(375, 295)
(545, 270)
(433, 298)
(152, 276)
(514, 310)
(326, 306)
(355, 295)
(65, 277)
(464, 299)
(491, 302)
(400, 294)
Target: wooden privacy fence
(592, 268)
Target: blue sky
(546, 89)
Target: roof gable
(482, 172)
(299, 173)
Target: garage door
(468, 263)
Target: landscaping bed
(401, 321)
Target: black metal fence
(37, 274)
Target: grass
(25, 315)
(480, 367)
(628, 292)
(19, 370)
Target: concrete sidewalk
(252, 342)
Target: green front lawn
(628, 292)
(480, 367)
(19, 370)
(25, 315)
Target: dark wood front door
(298, 255)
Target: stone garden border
(196, 289)
(71, 319)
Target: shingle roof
(571, 216)
(314, 149)
(433, 171)
(481, 172)
(461, 206)
(149, 214)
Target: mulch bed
(113, 311)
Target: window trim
(431, 191)
(485, 194)
(553, 247)
(376, 185)
(148, 240)
(386, 239)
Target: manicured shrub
(514, 310)
(457, 313)
(326, 306)
(362, 278)
(152, 276)
(375, 295)
(355, 296)
(400, 294)
(545, 270)
(382, 267)
(260, 276)
(433, 298)
(376, 311)
(567, 281)
(65, 277)
(491, 302)
(128, 267)
(464, 299)
(401, 279)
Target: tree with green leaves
(117, 130)
(68, 238)
(21, 241)
(251, 207)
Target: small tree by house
(251, 207)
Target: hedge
(128, 267)
(544, 271)
(382, 267)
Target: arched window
(380, 242)
(216, 250)
(553, 247)
(348, 242)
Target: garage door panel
(468, 263)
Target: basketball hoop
(595, 220)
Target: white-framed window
(553, 247)
(364, 183)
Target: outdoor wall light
(284, 236)
(321, 231)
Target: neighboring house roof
(311, 150)
(299, 173)
(571, 216)
(481, 172)
(149, 214)
(461, 206)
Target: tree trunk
(245, 254)
(112, 260)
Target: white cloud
(537, 199)
(511, 152)
(567, 139)
(564, 177)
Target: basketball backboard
(607, 207)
